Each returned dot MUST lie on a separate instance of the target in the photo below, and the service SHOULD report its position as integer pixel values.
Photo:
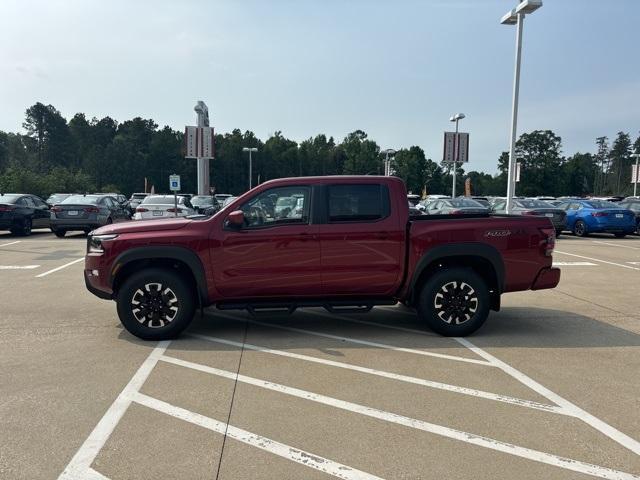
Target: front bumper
(93, 288)
(548, 277)
(96, 277)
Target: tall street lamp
(250, 150)
(456, 151)
(387, 165)
(516, 17)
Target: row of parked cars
(581, 216)
(64, 212)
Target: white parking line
(447, 432)
(634, 263)
(60, 267)
(597, 260)
(615, 245)
(574, 264)
(10, 243)
(18, 267)
(393, 376)
(81, 462)
(614, 434)
(361, 342)
(307, 459)
(567, 407)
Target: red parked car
(352, 246)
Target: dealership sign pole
(456, 150)
(199, 145)
(635, 174)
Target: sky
(395, 69)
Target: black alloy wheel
(156, 304)
(454, 302)
(580, 229)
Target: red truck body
(321, 262)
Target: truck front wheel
(454, 302)
(155, 304)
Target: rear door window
(358, 203)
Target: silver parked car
(85, 212)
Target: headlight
(95, 242)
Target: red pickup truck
(343, 243)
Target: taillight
(92, 209)
(141, 209)
(6, 208)
(455, 212)
(548, 242)
(529, 212)
(56, 209)
(599, 214)
(174, 210)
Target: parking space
(548, 388)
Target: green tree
(361, 155)
(579, 173)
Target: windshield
(56, 198)
(286, 202)
(200, 200)
(464, 202)
(8, 198)
(533, 204)
(81, 199)
(159, 200)
(601, 204)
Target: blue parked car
(586, 216)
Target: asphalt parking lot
(548, 388)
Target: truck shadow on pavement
(518, 327)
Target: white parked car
(162, 206)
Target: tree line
(91, 155)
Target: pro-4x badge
(497, 233)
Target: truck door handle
(303, 237)
(383, 235)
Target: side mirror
(236, 218)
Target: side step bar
(335, 306)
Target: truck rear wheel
(155, 304)
(454, 302)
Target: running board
(335, 306)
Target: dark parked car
(455, 206)
(86, 212)
(56, 198)
(205, 204)
(633, 204)
(540, 208)
(19, 213)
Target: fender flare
(168, 252)
(466, 249)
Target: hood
(143, 226)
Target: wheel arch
(483, 259)
(186, 262)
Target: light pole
(516, 17)
(387, 165)
(456, 151)
(250, 150)
(637, 179)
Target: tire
(580, 229)
(469, 294)
(26, 227)
(558, 232)
(59, 233)
(23, 229)
(109, 221)
(620, 235)
(166, 315)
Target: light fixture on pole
(250, 150)
(456, 151)
(387, 165)
(636, 178)
(516, 17)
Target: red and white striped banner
(199, 142)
